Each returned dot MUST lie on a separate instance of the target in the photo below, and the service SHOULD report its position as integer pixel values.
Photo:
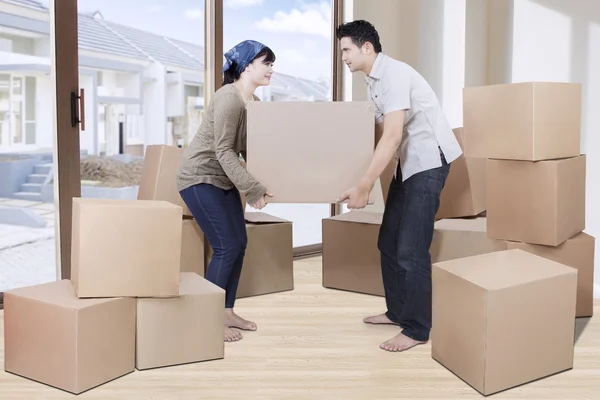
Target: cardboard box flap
(59, 293)
(517, 267)
(191, 283)
(478, 224)
(583, 236)
(360, 217)
(459, 134)
(263, 218)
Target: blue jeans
(404, 239)
(220, 215)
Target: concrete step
(36, 178)
(31, 188)
(27, 196)
(42, 169)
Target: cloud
(195, 13)
(238, 4)
(311, 18)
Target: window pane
(30, 98)
(30, 133)
(17, 122)
(27, 251)
(17, 86)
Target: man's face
(352, 55)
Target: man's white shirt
(395, 86)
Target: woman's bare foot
(378, 320)
(399, 343)
(232, 335)
(232, 320)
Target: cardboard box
(309, 152)
(52, 337)
(192, 247)
(578, 253)
(503, 319)
(464, 192)
(180, 330)
(126, 248)
(536, 202)
(462, 237)
(351, 259)
(522, 121)
(158, 181)
(269, 261)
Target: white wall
(429, 35)
(544, 40)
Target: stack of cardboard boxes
(505, 318)
(126, 306)
(268, 263)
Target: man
(416, 131)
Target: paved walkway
(27, 255)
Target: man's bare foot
(232, 335)
(378, 320)
(232, 320)
(399, 343)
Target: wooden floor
(311, 344)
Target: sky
(298, 31)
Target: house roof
(29, 3)
(97, 34)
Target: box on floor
(503, 319)
(158, 180)
(192, 247)
(184, 329)
(125, 248)
(455, 238)
(577, 252)
(523, 121)
(351, 259)
(269, 260)
(73, 344)
(320, 149)
(540, 202)
(465, 189)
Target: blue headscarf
(243, 53)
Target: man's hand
(358, 196)
(262, 202)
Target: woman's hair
(231, 75)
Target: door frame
(65, 75)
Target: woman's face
(260, 71)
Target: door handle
(77, 109)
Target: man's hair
(360, 32)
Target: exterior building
(140, 88)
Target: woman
(210, 176)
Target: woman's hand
(260, 204)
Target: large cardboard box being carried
(578, 253)
(184, 329)
(462, 237)
(539, 202)
(522, 121)
(320, 149)
(126, 248)
(192, 247)
(52, 337)
(269, 261)
(503, 319)
(464, 192)
(351, 259)
(158, 181)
